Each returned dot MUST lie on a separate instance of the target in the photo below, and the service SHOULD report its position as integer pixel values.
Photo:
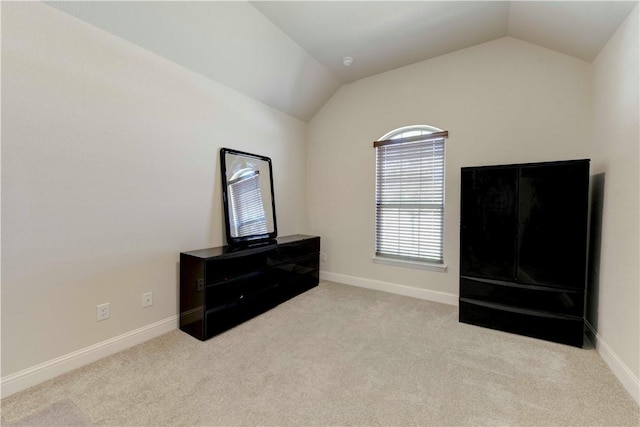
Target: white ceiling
(384, 35)
(288, 54)
(381, 36)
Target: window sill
(410, 264)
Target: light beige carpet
(337, 355)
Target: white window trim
(409, 264)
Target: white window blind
(410, 197)
(246, 206)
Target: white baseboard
(45, 371)
(392, 288)
(619, 368)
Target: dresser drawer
(237, 290)
(223, 317)
(298, 277)
(557, 328)
(291, 271)
(540, 298)
(302, 247)
(256, 259)
(266, 287)
(233, 265)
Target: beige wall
(615, 294)
(110, 169)
(505, 101)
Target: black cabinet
(224, 286)
(523, 248)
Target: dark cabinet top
(233, 251)
(528, 165)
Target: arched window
(410, 195)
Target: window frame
(407, 136)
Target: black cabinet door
(552, 220)
(488, 229)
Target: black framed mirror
(247, 195)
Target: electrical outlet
(147, 299)
(323, 257)
(102, 311)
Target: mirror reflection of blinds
(246, 205)
(410, 198)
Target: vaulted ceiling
(289, 54)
